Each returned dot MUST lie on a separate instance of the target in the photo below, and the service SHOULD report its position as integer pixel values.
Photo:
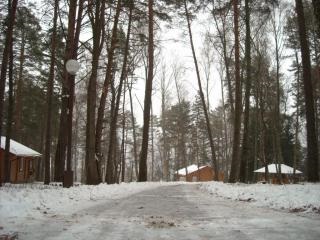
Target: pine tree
(312, 145)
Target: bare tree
(205, 110)
(114, 118)
(147, 98)
(107, 81)
(164, 88)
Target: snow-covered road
(173, 212)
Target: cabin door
(13, 170)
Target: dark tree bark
(107, 81)
(75, 25)
(143, 170)
(10, 117)
(113, 124)
(296, 127)
(312, 146)
(64, 146)
(245, 142)
(5, 56)
(123, 147)
(234, 172)
(205, 110)
(49, 95)
(277, 118)
(18, 95)
(97, 21)
(316, 10)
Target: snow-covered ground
(36, 211)
(34, 200)
(304, 197)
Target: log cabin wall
(21, 168)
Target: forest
(240, 92)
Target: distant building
(286, 173)
(22, 162)
(193, 173)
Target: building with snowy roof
(195, 173)
(22, 161)
(286, 171)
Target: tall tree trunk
(114, 118)
(93, 175)
(143, 169)
(74, 27)
(18, 97)
(312, 146)
(64, 146)
(60, 153)
(296, 134)
(135, 154)
(225, 128)
(107, 81)
(223, 40)
(163, 128)
(277, 117)
(9, 119)
(49, 95)
(7, 51)
(234, 173)
(12, 7)
(316, 10)
(152, 145)
(205, 110)
(245, 143)
(123, 150)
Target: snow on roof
(272, 169)
(18, 149)
(190, 169)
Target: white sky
(175, 47)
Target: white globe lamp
(72, 66)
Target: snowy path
(174, 212)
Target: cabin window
(30, 164)
(21, 164)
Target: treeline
(86, 122)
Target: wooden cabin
(193, 173)
(286, 174)
(22, 162)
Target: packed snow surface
(160, 211)
(23, 200)
(304, 197)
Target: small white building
(286, 172)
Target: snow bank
(34, 200)
(293, 197)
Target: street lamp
(72, 67)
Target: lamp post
(72, 67)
